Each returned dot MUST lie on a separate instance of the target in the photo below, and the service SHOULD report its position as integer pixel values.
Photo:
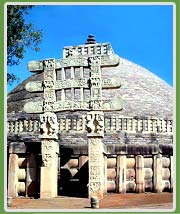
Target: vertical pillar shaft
(140, 174)
(49, 169)
(121, 174)
(157, 173)
(96, 169)
(49, 130)
(95, 128)
(13, 175)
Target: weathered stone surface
(38, 86)
(49, 168)
(49, 126)
(126, 132)
(143, 93)
(12, 176)
(96, 167)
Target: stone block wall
(22, 179)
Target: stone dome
(142, 93)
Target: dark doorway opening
(72, 182)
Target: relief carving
(95, 81)
(49, 63)
(46, 160)
(46, 146)
(94, 173)
(95, 123)
(94, 157)
(95, 142)
(96, 104)
(95, 188)
(71, 52)
(49, 75)
(96, 93)
(49, 125)
(94, 61)
(49, 84)
(76, 83)
(95, 71)
(49, 95)
(107, 58)
(48, 106)
(71, 61)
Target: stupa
(89, 124)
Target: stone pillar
(49, 130)
(121, 174)
(140, 187)
(95, 127)
(96, 168)
(13, 175)
(49, 169)
(49, 151)
(157, 168)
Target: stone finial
(91, 40)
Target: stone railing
(112, 124)
(132, 124)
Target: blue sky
(142, 34)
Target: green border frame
(2, 96)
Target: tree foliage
(20, 36)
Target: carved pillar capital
(48, 126)
(95, 124)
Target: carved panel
(46, 160)
(112, 123)
(49, 75)
(64, 84)
(49, 64)
(147, 125)
(49, 95)
(73, 61)
(49, 84)
(95, 123)
(96, 104)
(49, 125)
(106, 60)
(95, 188)
(90, 49)
(96, 166)
(46, 146)
(95, 173)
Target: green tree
(20, 35)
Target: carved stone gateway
(69, 135)
(73, 136)
(94, 57)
